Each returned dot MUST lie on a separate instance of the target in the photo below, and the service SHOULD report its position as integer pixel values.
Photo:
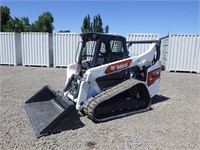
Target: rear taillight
(153, 76)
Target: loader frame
(110, 82)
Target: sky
(123, 17)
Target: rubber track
(93, 102)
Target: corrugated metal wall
(140, 48)
(178, 52)
(183, 53)
(10, 48)
(64, 48)
(37, 49)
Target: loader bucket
(51, 112)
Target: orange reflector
(153, 76)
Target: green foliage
(44, 23)
(107, 29)
(26, 24)
(5, 16)
(65, 31)
(86, 27)
(9, 24)
(95, 26)
(17, 25)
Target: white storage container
(10, 48)
(183, 53)
(37, 49)
(64, 48)
(137, 49)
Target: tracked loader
(105, 83)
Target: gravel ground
(173, 122)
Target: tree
(107, 29)
(17, 25)
(95, 26)
(9, 24)
(86, 27)
(26, 24)
(5, 16)
(44, 23)
(13, 25)
(64, 31)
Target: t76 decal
(118, 66)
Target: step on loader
(106, 82)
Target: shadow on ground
(159, 98)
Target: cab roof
(93, 36)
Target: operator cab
(98, 49)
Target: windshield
(86, 51)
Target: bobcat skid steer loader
(105, 83)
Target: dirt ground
(172, 123)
